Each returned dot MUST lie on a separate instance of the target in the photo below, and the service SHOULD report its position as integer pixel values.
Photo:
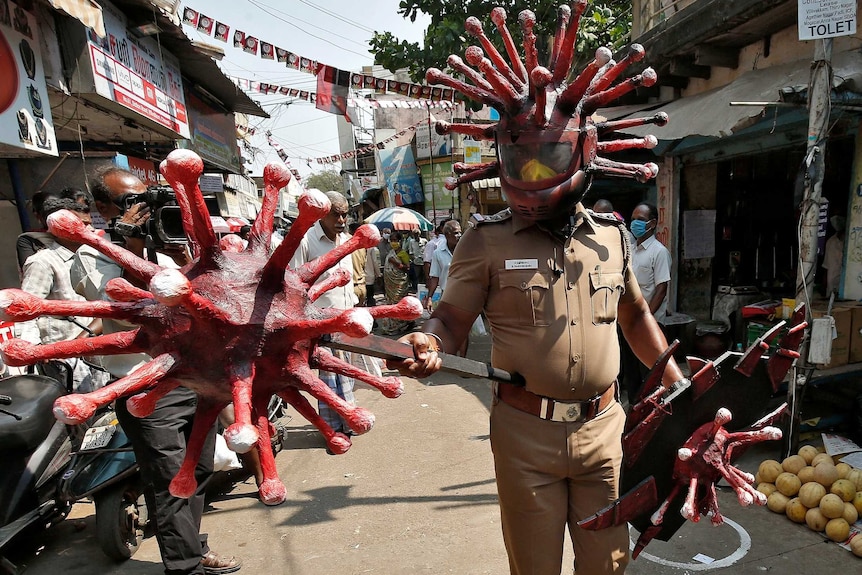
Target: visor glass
(548, 158)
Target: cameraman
(159, 440)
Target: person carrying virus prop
(554, 279)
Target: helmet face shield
(538, 159)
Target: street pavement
(416, 495)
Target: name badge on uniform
(522, 264)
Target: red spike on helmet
(547, 142)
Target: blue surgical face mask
(638, 228)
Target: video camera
(165, 225)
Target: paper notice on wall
(699, 230)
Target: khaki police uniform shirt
(551, 301)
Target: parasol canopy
(399, 219)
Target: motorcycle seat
(33, 399)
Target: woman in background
(396, 282)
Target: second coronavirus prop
(234, 326)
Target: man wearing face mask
(651, 264)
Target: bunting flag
(332, 90)
(205, 24)
(221, 31)
(238, 39)
(250, 45)
(190, 17)
(268, 51)
(277, 147)
(282, 154)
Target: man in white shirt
(651, 264)
(432, 245)
(46, 275)
(321, 238)
(439, 272)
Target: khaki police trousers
(553, 474)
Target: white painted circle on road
(741, 551)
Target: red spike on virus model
(234, 326)
(547, 142)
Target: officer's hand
(425, 362)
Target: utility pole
(819, 89)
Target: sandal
(215, 564)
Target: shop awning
(710, 113)
(87, 11)
(619, 112)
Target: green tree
(325, 181)
(604, 23)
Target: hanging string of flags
(267, 51)
(346, 155)
(282, 155)
(309, 96)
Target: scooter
(104, 469)
(48, 465)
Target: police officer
(553, 293)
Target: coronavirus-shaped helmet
(548, 146)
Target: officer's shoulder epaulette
(604, 217)
(480, 220)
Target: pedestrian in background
(417, 258)
(359, 259)
(46, 276)
(396, 282)
(439, 273)
(433, 243)
(651, 264)
(321, 238)
(373, 274)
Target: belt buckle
(569, 412)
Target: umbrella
(236, 223)
(399, 219)
(219, 225)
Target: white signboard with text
(138, 74)
(430, 143)
(25, 115)
(826, 18)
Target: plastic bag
(478, 327)
(224, 459)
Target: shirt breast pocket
(606, 287)
(529, 295)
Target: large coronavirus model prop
(548, 144)
(234, 326)
(675, 453)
